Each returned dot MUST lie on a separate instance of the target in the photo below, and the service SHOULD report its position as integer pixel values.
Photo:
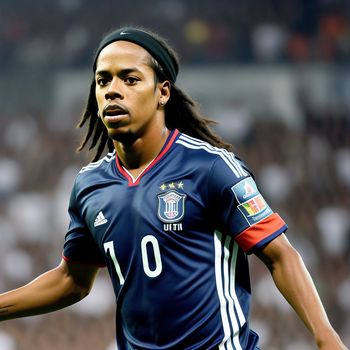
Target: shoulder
(100, 164)
(95, 171)
(214, 158)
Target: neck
(137, 154)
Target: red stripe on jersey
(123, 172)
(150, 165)
(260, 231)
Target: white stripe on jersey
(108, 158)
(225, 269)
(227, 157)
(233, 262)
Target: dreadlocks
(181, 112)
(95, 130)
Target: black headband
(139, 37)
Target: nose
(114, 90)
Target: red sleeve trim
(259, 232)
(82, 262)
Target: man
(171, 212)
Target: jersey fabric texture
(175, 242)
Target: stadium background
(276, 76)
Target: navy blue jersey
(175, 241)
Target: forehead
(122, 53)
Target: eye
(100, 81)
(131, 80)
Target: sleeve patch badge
(251, 203)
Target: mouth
(114, 113)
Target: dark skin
(60, 287)
(131, 105)
(295, 284)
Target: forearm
(294, 282)
(296, 285)
(51, 291)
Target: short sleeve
(79, 245)
(240, 209)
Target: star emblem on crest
(172, 186)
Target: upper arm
(80, 245)
(277, 250)
(241, 211)
(80, 275)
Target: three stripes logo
(100, 219)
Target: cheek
(150, 98)
(99, 99)
(145, 103)
(148, 103)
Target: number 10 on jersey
(148, 240)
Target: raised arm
(60, 287)
(294, 282)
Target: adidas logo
(100, 219)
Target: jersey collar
(134, 182)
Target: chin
(122, 136)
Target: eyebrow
(121, 72)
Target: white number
(109, 247)
(158, 268)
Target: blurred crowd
(303, 172)
(56, 33)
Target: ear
(164, 92)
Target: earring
(161, 103)
(98, 114)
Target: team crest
(171, 206)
